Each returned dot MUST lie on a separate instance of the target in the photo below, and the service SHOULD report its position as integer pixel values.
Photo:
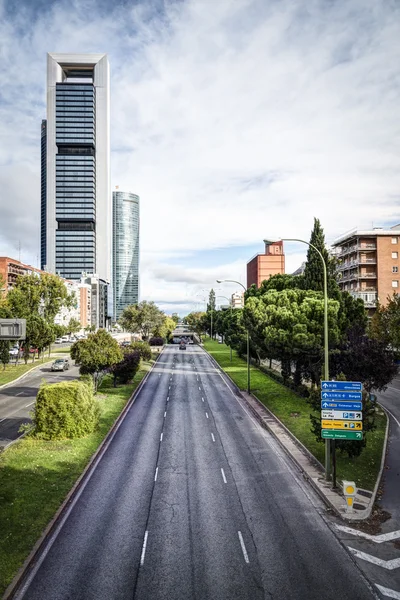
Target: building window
(395, 255)
(394, 240)
(395, 283)
(395, 269)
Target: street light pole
(230, 306)
(247, 332)
(328, 445)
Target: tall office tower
(43, 153)
(77, 227)
(125, 251)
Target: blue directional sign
(327, 404)
(341, 385)
(354, 396)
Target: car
(60, 364)
(182, 346)
(14, 352)
(58, 341)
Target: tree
(313, 278)
(165, 329)
(385, 323)
(125, 370)
(211, 301)
(175, 317)
(289, 326)
(44, 295)
(141, 318)
(99, 352)
(73, 326)
(4, 353)
(195, 321)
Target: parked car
(60, 364)
(58, 341)
(14, 352)
(182, 346)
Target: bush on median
(65, 410)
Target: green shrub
(65, 410)
(142, 347)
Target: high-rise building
(125, 250)
(76, 198)
(369, 264)
(263, 266)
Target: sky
(234, 121)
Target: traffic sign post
(341, 415)
(355, 396)
(341, 386)
(341, 434)
(349, 492)
(341, 405)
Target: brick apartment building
(10, 269)
(369, 264)
(263, 266)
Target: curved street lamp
(247, 332)
(329, 444)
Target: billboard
(12, 329)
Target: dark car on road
(61, 364)
(182, 346)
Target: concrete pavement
(193, 499)
(17, 399)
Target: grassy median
(294, 412)
(36, 476)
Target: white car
(58, 341)
(14, 352)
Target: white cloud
(234, 120)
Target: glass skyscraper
(125, 251)
(76, 212)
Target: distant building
(300, 270)
(125, 251)
(237, 300)
(75, 158)
(369, 264)
(263, 266)
(99, 314)
(10, 269)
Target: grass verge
(36, 476)
(13, 371)
(294, 412)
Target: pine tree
(314, 271)
(211, 301)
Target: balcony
(369, 298)
(355, 248)
(349, 277)
(367, 276)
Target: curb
(28, 564)
(352, 517)
(384, 453)
(5, 385)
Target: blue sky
(233, 120)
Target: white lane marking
(246, 556)
(223, 475)
(20, 394)
(161, 436)
(378, 539)
(207, 415)
(392, 415)
(155, 476)
(212, 437)
(167, 398)
(30, 404)
(202, 399)
(388, 592)
(165, 414)
(169, 387)
(386, 564)
(199, 388)
(144, 548)
(1, 420)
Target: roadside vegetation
(36, 475)
(284, 319)
(294, 412)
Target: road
(193, 500)
(390, 399)
(17, 400)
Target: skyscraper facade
(77, 224)
(125, 251)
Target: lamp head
(219, 281)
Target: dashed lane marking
(155, 476)
(144, 548)
(212, 437)
(246, 556)
(161, 437)
(223, 475)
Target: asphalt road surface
(390, 501)
(17, 400)
(193, 500)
